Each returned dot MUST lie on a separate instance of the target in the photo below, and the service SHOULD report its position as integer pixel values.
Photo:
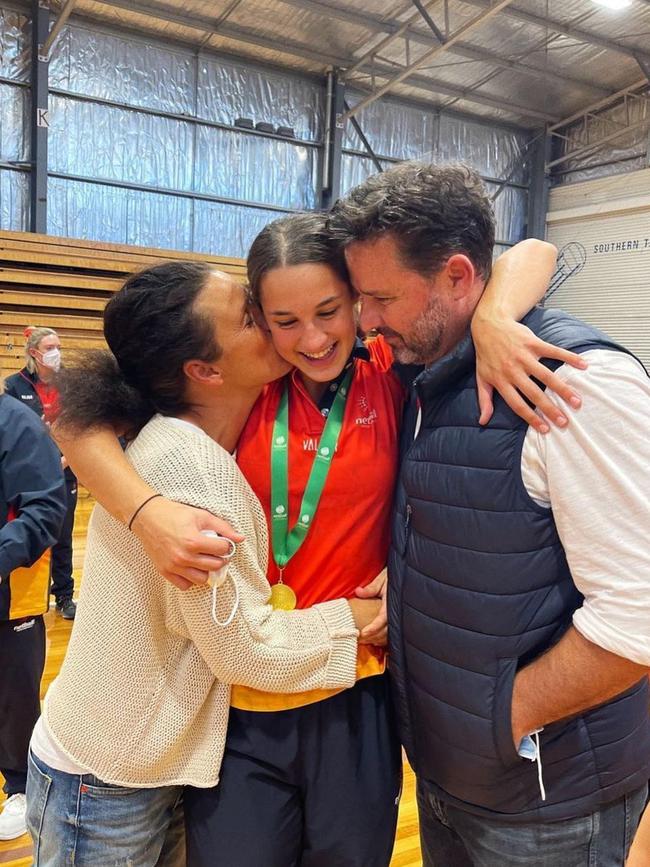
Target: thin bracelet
(141, 507)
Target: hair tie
(28, 331)
(140, 508)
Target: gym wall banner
(602, 233)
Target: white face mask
(218, 579)
(51, 359)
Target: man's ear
(203, 372)
(461, 275)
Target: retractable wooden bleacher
(64, 283)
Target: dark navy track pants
(316, 786)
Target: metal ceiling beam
(437, 32)
(384, 43)
(228, 31)
(538, 45)
(599, 106)
(566, 30)
(644, 65)
(421, 37)
(64, 14)
(594, 145)
(225, 15)
(443, 88)
(431, 52)
(293, 49)
(592, 114)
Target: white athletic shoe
(12, 818)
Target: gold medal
(282, 597)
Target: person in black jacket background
(34, 387)
(32, 509)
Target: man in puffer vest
(519, 574)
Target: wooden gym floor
(17, 853)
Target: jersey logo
(369, 415)
(310, 444)
(366, 420)
(27, 397)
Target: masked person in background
(32, 506)
(34, 386)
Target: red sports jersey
(49, 397)
(348, 540)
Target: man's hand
(172, 537)
(375, 632)
(573, 676)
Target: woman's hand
(507, 357)
(172, 536)
(376, 631)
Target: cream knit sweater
(143, 696)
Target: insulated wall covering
(14, 118)
(393, 130)
(142, 148)
(14, 103)
(166, 135)
(255, 169)
(228, 90)
(14, 46)
(628, 152)
(127, 216)
(398, 132)
(510, 211)
(14, 200)
(100, 141)
(130, 71)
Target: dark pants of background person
(62, 580)
(317, 786)
(22, 660)
(455, 838)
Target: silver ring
(230, 553)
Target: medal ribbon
(286, 542)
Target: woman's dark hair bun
(152, 326)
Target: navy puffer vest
(479, 586)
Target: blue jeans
(79, 821)
(451, 837)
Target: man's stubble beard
(423, 344)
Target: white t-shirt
(595, 475)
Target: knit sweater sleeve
(264, 648)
